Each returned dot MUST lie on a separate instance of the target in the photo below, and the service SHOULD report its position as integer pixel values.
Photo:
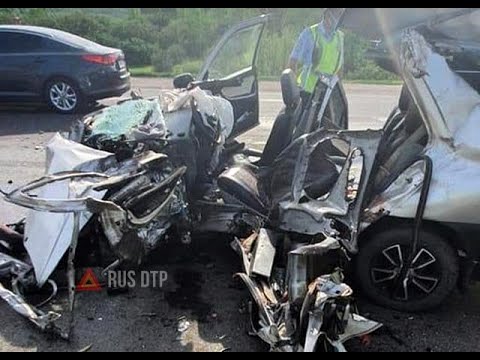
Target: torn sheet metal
(47, 235)
(209, 107)
(450, 109)
(44, 321)
(322, 316)
(134, 201)
(263, 254)
(333, 314)
(357, 326)
(331, 317)
(16, 271)
(300, 260)
(214, 116)
(449, 105)
(134, 218)
(318, 249)
(403, 190)
(132, 235)
(301, 213)
(10, 266)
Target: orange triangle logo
(89, 282)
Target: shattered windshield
(122, 120)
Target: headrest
(290, 89)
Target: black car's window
(55, 46)
(14, 42)
(4, 42)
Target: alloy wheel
(392, 275)
(63, 96)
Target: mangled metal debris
(20, 275)
(309, 309)
(133, 201)
(44, 321)
(133, 175)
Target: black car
(64, 70)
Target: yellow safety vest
(329, 63)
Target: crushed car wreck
(320, 200)
(132, 201)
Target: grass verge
(149, 71)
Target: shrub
(177, 39)
(190, 66)
(165, 60)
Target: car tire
(63, 96)
(426, 287)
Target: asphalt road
(200, 289)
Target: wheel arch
(444, 231)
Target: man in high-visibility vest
(319, 50)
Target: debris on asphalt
(149, 315)
(86, 348)
(183, 325)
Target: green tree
(173, 39)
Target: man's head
(331, 17)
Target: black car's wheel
(63, 96)
(384, 275)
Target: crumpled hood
(49, 235)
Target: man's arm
(341, 71)
(297, 57)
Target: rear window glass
(73, 40)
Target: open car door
(234, 58)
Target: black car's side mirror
(183, 80)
